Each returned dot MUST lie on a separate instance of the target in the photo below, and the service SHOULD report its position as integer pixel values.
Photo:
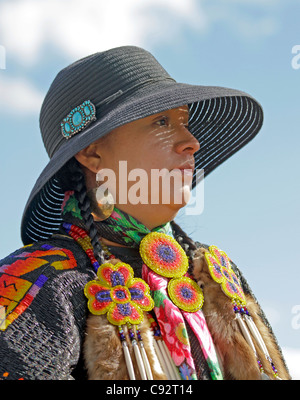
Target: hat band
(82, 115)
(121, 92)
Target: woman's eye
(162, 121)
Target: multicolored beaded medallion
(221, 272)
(185, 294)
(118, 294)
(164, 255)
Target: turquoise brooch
(78, 119)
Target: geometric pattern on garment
(46, 344)
(17, 293)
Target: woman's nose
(186, 142)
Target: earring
(101, 203)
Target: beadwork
(17, 292)
(162, 254)
(118, 294)
(83, 239)
(220, 270)
(104, 296)
(185, 294)
(78, 119)
(116, 291)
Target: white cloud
(18, 95)
(292, 358)
(79, 28)
(75, 28)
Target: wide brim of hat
(222, 119)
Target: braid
(74, 180)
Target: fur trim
(103, 353)
(238, 359)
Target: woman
(160, 306)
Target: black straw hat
(108, 89)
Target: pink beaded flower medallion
(117, 293)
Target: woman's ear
(90, 158)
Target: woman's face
(152, 160)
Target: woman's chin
(182, 197)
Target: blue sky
(251, 203)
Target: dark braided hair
(71, 177)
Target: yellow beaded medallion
(185, 294)
(162, 254)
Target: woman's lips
(184, 173)
(187, 171)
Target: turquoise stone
(87, 110)
(77, 118)
(67, 127)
